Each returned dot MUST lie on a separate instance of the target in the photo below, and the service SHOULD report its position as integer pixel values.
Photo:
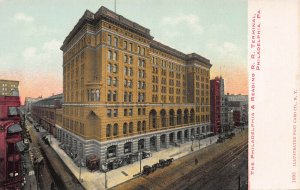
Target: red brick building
(215, 105)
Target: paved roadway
(219, 167)
(54, 170)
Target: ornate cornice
(110, 16)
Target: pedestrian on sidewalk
(196, 161)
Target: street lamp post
(81, 154)
(105, 181)
(199, 138)
(50, 134)
(192, 137)
(140, 159)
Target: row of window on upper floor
(126, 112)
(126, 45)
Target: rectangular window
(144, 111)
(130, 112)
(115, 112)
(130, 47)
(109, 39)
(116, 42)
(139, 50)
(125, 112)
(125, 45)
(109, 113)
(12, 111)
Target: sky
(32, 32)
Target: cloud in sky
(48, 55)
(23, 17)
(190, 20)
(224, 48)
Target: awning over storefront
(16, 128)
(20, 146)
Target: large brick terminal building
(124, 91)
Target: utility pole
(140, 160)
(105, 170)
(81, 154)
(199, 138)
(192, 143)
(50, 134)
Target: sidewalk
(95, 180)
(30, 177)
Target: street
(52, 173)
(219, 167)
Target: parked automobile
(221, 139)
(147, 170)
(154, 167)
(162, 163)
(146, 154)
(169, 161)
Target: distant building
(9, 88)
(29, 101)
(224, 108)
(237, 106)
(215, 104)
(48, 111)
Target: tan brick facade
(121, 86)
(7, 86)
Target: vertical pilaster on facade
(157, 142)
(175, 137)
(135, 145)
(167, 140)
(103, 154)
(120, 150)
(147, 143)
(188, 135)
(182, 137)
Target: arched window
(108, 130)
(115, 129)
(130, 127)
(125, 128)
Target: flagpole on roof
(115, 6)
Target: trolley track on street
(205, 173)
